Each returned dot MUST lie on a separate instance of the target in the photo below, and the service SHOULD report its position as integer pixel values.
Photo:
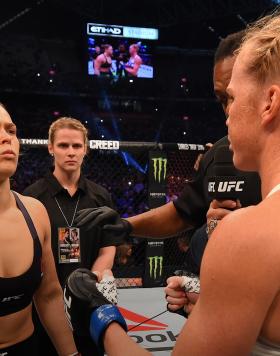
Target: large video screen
(120, 51)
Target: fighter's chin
(7, 171)
(70, 168)
(242, 164)
(230, 145)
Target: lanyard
(76, 207)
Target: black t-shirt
(91, 195)
(193, 203)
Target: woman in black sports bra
(103, 62)
(27, 270)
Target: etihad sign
(105, 30)
(122, 31)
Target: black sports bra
(16, 293)
(106, 64)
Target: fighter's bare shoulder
(36, 210)
(244, 249)
(251, 232)
(256, 222)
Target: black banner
(154, 264)
(157, 196)
(157, 178)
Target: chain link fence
(124, 173)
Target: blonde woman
(64, 191)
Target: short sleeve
(191, 203)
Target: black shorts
(25, 347)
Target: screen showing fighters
(120, 51)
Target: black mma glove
(108, 220)
(90, 306)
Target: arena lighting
(20, 14)
(245, 23)
(50, 80)
(86, 122)
(102, 136)
(101, 120)
(156, 109)
(130, 80)
(210, 28)
(184, 133)
(38, 74)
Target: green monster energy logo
(160, 165)
(155, 262)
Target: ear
(50, 148)
(272, 105)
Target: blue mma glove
(90, 306)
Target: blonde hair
(263, 36)
(69, 123)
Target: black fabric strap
(27, 218)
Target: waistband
(25, 347)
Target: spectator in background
(123, 255)
(183, 243)
(97, 51)
(199, 157)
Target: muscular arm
(118, 343)
(48, 298)
(97, 65)
(235, 293)
(161, 222)
(105, 259)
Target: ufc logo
(9, 299)
(230, 186)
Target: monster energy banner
(154, 264)
(157, 178)
(157, 197)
